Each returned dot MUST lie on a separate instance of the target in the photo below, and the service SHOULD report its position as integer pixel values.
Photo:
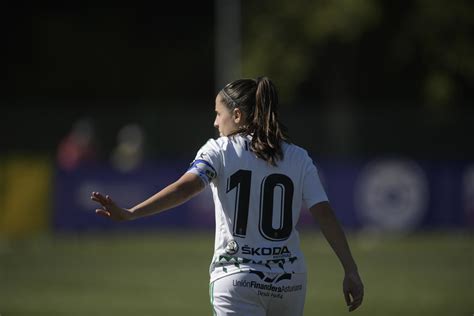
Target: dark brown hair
(258, 99)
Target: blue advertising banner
(386, 194)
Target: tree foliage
(368, 42)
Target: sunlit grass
(167, 274)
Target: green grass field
(166, 274)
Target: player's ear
(237, 116)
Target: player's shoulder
(224, 142)
(294, 151)
(217, 143)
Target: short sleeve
(313, 190)
(207, 162)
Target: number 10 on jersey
(241, 181)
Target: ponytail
(259, 100)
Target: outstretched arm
(173, 195)
(332, 231)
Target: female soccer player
(259, 182)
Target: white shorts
(255, 293)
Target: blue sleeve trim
(204, 162)
(203, 169)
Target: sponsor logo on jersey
(232, 247)
(267, 287)
(266, 251)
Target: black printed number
(241, 181)
(271, 184)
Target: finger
(109, 200)
(100, 201)
(347, 297)
(355, 304)
(98, 195)
(102, 213)
(93, 198)
(99, 198)
(358, 296)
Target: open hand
(109, 209)
(353, 290)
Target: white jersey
(257, 205)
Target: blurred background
(118, 99)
